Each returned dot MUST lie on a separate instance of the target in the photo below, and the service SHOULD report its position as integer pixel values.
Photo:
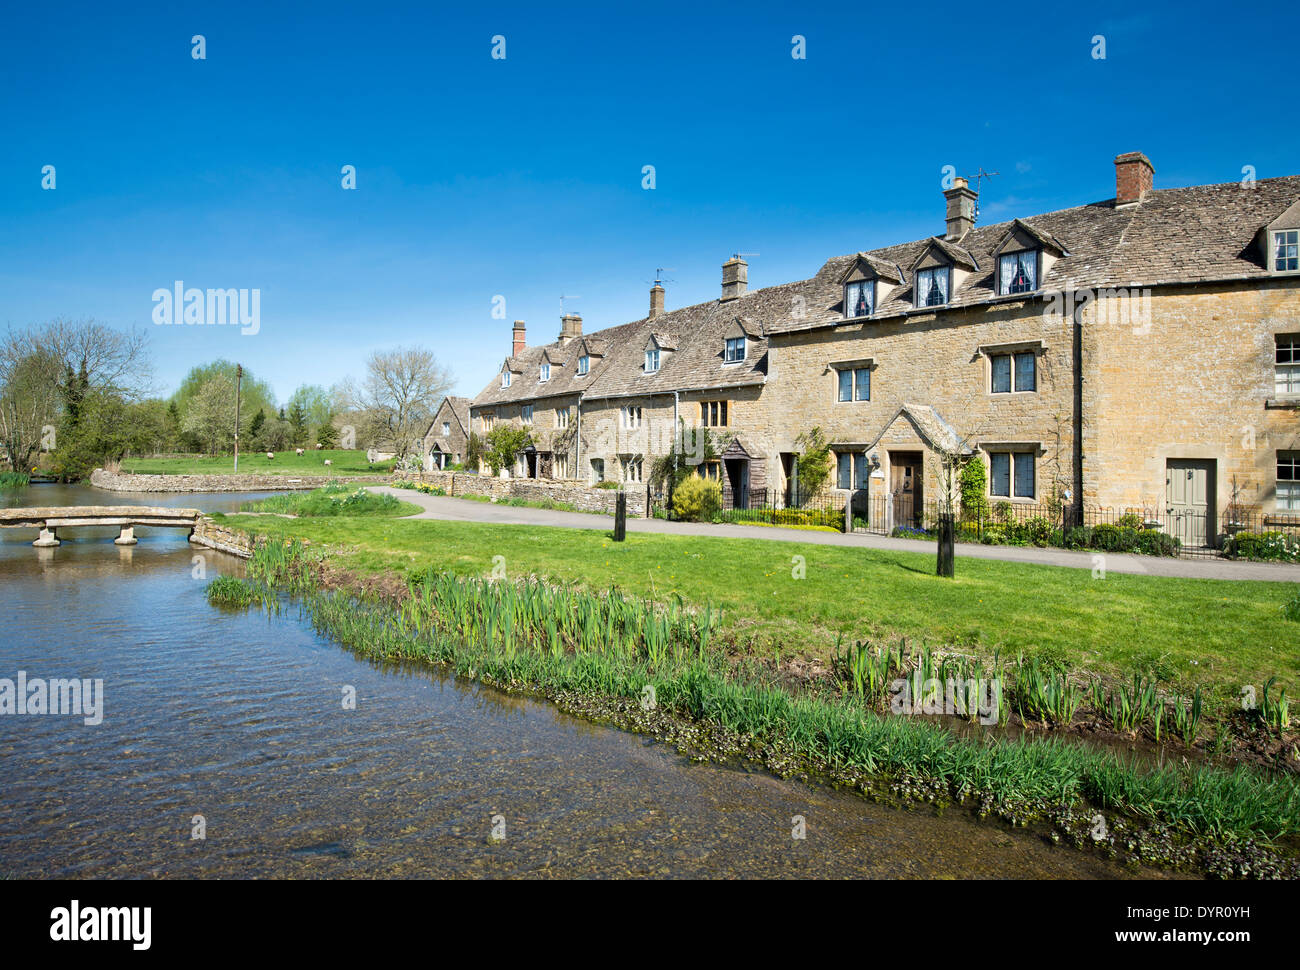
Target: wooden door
(1189, 500)
(905, 489)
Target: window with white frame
(651, 360)
(1011, 474)
(1288, 481)
(446, 428)
(852, 470)
(854, 383)
(932, 285)
(526, 415)
(1286, 367)
(734, 351)
(860, 298)
(630, 416)
(1018, 272)
(489, 421)
(560, 466)
(631, 465)
(713, 414)
(544, 374)
(505, 378)
(584, 365)
(597, 470)
(562, 418)
(1286, 250)
(1014, 372)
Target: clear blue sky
(522, 177)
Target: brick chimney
(1134, 177)
(961, 209)
(570, 328)
(735, 278)
(520, 342)
(656, 301)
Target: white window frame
(727, 356)
(631, 468)
(1286, 365)
(1288, 242)
(562, 417)
(652, 355)
(1287, 490)
(584, 365)
(446, 428)
(597, 467)
(630, 416)
(544, 372)
(526, 415)
(505, 378)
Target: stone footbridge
(125, 517)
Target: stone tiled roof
(459, 407)
(1173, 236)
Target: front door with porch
(738, 479)
(1189, 500)
(905, 487)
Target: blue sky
(522, 177)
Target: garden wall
(578, 494)
(114, 482)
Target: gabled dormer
(938, 272)
(509, 369)
(865, 283)
(1023, 257)
(1279, 241)
(739, 340)
(590, 352)
(658, 348)
(544, 366)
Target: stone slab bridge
(125, 517)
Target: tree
(327, 436)
(317, 405)
(297, 423)
(398, 396)
(210, 415)
(255, 394)
(813, 466)
(505, 442)
(475, 451)
(29, 401)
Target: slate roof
(1174, 236)
(459, 408)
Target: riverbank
(655, 670)
(252, 482)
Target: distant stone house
(448, 434)
(1138, 352)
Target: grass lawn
(1221, 633)
(285, 463)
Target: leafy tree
(327, 436)
(505, 442)
(210, 415)
(255, 427)
(814, 462)
(255, 394)
(297, 423)
(973, 480)
(475, 451)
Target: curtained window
(932, 286)
(1018, 272)
(860, 298)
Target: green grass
(1182, 631)
(14, 480)
(332, 500)
(310, 462)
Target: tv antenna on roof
(980, 176)
(743, 255)
(563, 298)
(659, 274)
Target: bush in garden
(1271, 546)
(697, 500)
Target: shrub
(608, 483)
(1266, 546)
(973, 481)
(698, 500)
(1129, 520)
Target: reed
(14, 480)
(1045, 695)
(1275, 713)
(229, 591)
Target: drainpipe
(577, 455)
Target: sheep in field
(270, 456)
(328, 462)
(297, 451)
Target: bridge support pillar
(127, 538)
(47, 539)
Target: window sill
(1282, 403)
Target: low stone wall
(208, 533)
(116, 482)
(578, 494)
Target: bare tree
(29, 400)
(398, 396)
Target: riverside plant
(1187, 719)
(14, 480)
(1045, 695)
(1133, 705)
(585, 654)
(1275, 713)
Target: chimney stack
(735, 278)
(570, 328)
(656, 301)
(1134, 177)
(961, 209)
(520, 342)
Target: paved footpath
(467, 510)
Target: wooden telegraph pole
(239, 385)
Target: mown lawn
(1218, 632)
(311, 462)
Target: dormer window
(545, 372)
(932, 286)
(584, 365)
(734, 350)
(1018, 272)
(860, 298)
(505, 378)
(1286, 251)
(651, 360)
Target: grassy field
(284, 463)
(1185, 631)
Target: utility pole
(239, 386)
